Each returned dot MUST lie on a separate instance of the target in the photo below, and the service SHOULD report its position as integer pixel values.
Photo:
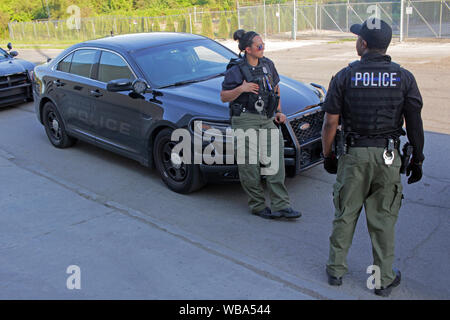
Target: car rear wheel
(54, 127)
(181, 178)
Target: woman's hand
(280, 117)
(249, 87)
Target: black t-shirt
(234, 77)
(334, 102)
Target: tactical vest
(374, 100)
(260, 75)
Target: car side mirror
(13, 53)
(9, 45)
(119, 85)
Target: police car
(128, 94)
(15, 78)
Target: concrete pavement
(133, 238)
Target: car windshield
(3, 54)
(183, 61)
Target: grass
(342, 40)
(55, 44)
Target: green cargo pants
(250, 174)
(364, 179)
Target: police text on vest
(375, 79)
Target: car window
(207, 55)
(183, 61)
(112, 67)
(64, 65)
(82, 62)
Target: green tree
(234, 24)
(192, 28)
(156, 27)
(207, 25)
(170, 26)
(182, 24)
(223, 27)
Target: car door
(73, 86)
(118, 115)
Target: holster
(235, 109)
(406, 156)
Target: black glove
(415, 169)
(330, 164)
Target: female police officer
(251, 87)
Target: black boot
(288, 213)
(334, 281)
(385, 292)
(267, 214)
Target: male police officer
(372, 96)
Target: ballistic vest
(374, 100)
(260, 75)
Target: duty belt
(367, 142)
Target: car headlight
(31, 75)
(320, 91)
(201, 127)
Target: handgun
(406, 156)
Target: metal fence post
(316, 16)
(265, 28)
(238, 14)
(440, 20)
(279, 19)
(346, 14)
(294, 22)
(11, 33)
(402, 10)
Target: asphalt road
(133, 238)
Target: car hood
(12, 66)
(203, 98)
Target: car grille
(314, 120)
(13, 80)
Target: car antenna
(112, 33)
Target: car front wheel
(179, 177)
(54, 127)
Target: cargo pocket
(397, 202)
(337, 198)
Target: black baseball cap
(375, 32)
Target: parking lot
(134, 238)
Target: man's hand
(415, 169)
(280, 118)
(249, 87)
(330, 163)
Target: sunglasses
(260, 47)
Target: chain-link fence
(415, 18)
